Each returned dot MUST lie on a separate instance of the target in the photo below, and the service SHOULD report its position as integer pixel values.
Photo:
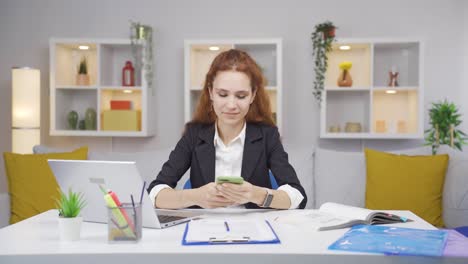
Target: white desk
(36, 240)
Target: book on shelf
(335, 216)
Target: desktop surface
(37, 240)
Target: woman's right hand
(209, 197)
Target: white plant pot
(70, 228)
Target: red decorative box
(120, 105)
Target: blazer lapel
(206, 153)
(253, 147)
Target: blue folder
(392, 241)
(223, 241)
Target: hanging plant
(444, 120)
(322, 39)
(142, 35)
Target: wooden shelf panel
(403, 56)
(359, 54)
(395, 113)
(67, 60)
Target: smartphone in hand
(229, 179)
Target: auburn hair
(235, 60)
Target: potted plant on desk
(69, 207)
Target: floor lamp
(26, 109)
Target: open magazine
(334, 216)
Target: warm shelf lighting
(26, 109)
(345, 47)
(128, 91)
(390, 91)
(83, 47)
(214, 48)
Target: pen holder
(124, 223)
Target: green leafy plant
(444, 120)
(83, 66)
(322, 39)
(70, 205)
(141, 39)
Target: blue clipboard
(236, 241)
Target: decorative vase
(82, 79)
(72, 119)
(81, 124)
(345, 80)
(90, 119)
(392, 79)
(70, 228)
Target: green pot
(81, 125)
(90, 119)
(72, 119)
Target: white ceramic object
(69, 228)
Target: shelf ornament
(444, 120)
(142, 35)
(82, 77)
(344, 79)
(322, 39)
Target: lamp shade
(26, 109)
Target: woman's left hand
(242, 193)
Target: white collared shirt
(228, 162)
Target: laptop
(123, 178)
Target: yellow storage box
(121, 120)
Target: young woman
(232, 134)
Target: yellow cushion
(31, 183)
(400, 182)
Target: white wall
(26, 26)
(463, 101)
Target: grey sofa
(326, 175)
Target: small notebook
(219, 231)
(392, 241)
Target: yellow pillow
(400, 182)
(31, 184)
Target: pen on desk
(227, 226)
(133, 204)
(134, 213)
(142, 190)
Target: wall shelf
(106, 58)
(383, 112)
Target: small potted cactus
(69, 207)
(82, 78)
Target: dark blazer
(262, 151)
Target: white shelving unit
(383, 112)
(106, 58)
(198, 58)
